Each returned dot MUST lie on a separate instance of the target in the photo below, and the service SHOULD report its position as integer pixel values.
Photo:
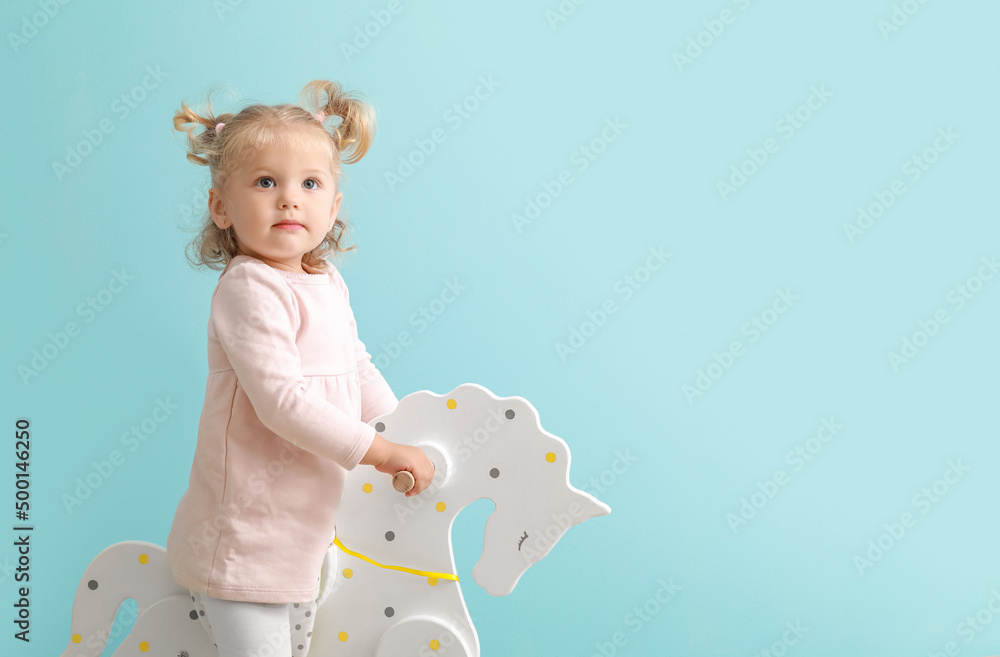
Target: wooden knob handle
(402, 481)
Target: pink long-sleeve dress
(290, 391)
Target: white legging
(256, 629)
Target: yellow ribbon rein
(422, 573)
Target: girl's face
(280, 184)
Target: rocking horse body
(388, 584)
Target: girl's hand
(392, 457)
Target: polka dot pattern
(394, 540)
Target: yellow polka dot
(342, 636)
(144, 646)
(551, 457)
(347, 573)
(77, 638)
(143, 558)
(452, 403)
(367, 488)
(440, 506)
(432, 581)
(435, 645)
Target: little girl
(290, 387)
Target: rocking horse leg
(423, 635)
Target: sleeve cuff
(365, 439)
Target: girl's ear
(217, 208)
(334, 209)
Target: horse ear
(591, 506)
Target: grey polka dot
(389, 611)
(192, 598)
(298, 627)
(309, 613)
(309, 633)
(296, 605)
(380, 426)
(92, 585)
(300, 646)
(201, 613)
(389, 536)
(193, 615)
(494, 473)
(509, 414)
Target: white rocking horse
(387, 585)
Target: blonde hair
(258, 125)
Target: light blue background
(128, 203)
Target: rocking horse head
(532, 512)
(486, 446)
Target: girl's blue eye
(311, 183)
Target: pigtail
(204, 146)
(187, 120)
(212, 246)
(357, 126)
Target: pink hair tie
(320, 116)
(218, 127)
